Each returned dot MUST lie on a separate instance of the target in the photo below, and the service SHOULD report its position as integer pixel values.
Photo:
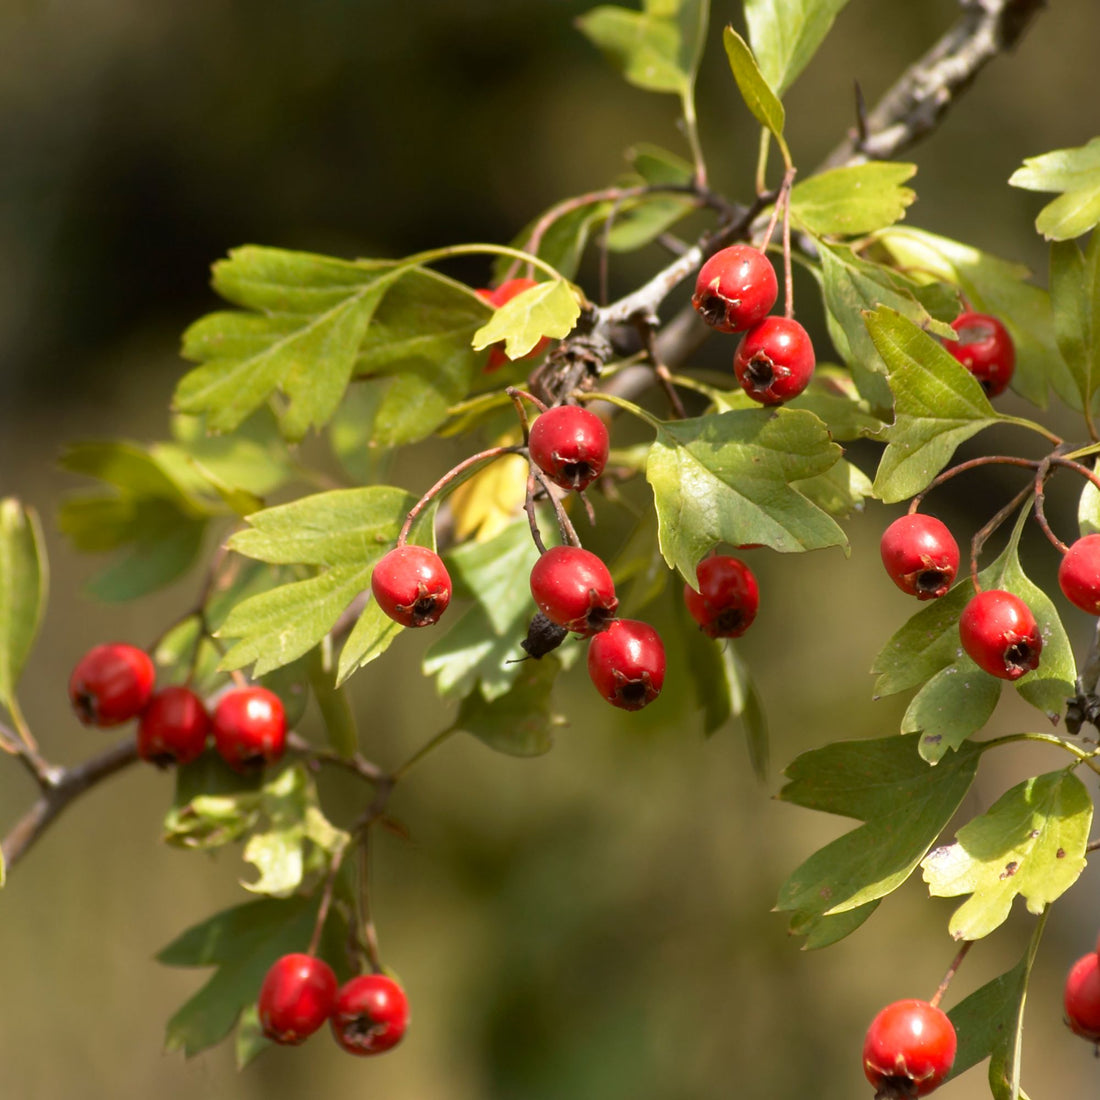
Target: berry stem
(664, 376)
(529, 508)
(565, 527)
(518, 396)
(788, 282)
(326, 899)
(427, 747)
(971, 464)
(982, 535)
(952, 970)
(1041, 476)
(366, 921)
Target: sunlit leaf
(1075, 173)
(645, 46)
(547, 309)
(785, 34)
(955, 703)
(758, 95)
(1075, 298)
(853, 200)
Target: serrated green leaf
(755, 90)
(24, 584)
(213, 805)
(658, 166)
(840, 491)
(987, 1018)
(646, 47)
(904, 803)
(643, 221)
(785, 34)
(854, 200)
(546, 309)
(955, 703)
(1075, 299)
(847, 415)
(1030, 843)
(938, 404)
(372, 635)
(519, 722)
(726, 478)
(1076, 173)
(250, 1041)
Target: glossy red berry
(298, 995)
(371, 1014)
(496, 297)
(985, 348)
(774, 361)
(999, 632)
(249, 727)
(573, 588)
(1079, 574)
(111, 684)
(627, 664)
(909, 1049)
(412, 585)
(1081, 997)
(735, 288)
(728, 597)
(569, 444)
(173, 727)
(920, 555)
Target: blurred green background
(594, 923)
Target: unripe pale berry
(173, 727)
(909, 1049)
(411, 585)
(298, 995)
(985, 348)
(570, 445)
(573, 588)
(1081, 997)
(920, 555)
(1079, 574)
(249, 727)
(627, 664)
(735, 288)
(370, 1015)
(728, 597)
(111, 684)
(496, 297)
(774, 361)
(999, 632)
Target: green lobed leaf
(1075, 299)
(726, 478)
(938, 405)
(757, 93)
(903, 803)
(546, 309)
(646, 47)
(213, 805)
(372, 635)
(854, 200)
(250, 1040)
(840, 491)
(1031, 843)
(986, 1019)
(832, 396)
(1074, 172)
(658, 166)
(24, 584)
(643, 221)
(955, 703)
(563, 242)
(785, 34)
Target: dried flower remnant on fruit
(111, 684)
(570, 445)
(728, 598)
(909, 1050)
(774, 361)
(735, 288)
(1000, 634)
(573, 588)
(920, 555)
(626, 664)
(411, 585)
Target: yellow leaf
(491, 499)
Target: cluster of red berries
(114, 683)
(368, 1014)
(1081, 997)
(909, 1050)
(734, 292)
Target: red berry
(297, 997)
(909, 1049)
(412, 585)
(1079, 574)
(111, 684)
(1082, 997)
(999, 632)
(920, 555)
(774, 361)
(249, 727)
(574, 589)
(985, 348)
(371, 1014)
(727, 600)
(569, 444)
(735, 289)
(627, 664)
(173, 727)
(496, 297)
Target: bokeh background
(594, 923)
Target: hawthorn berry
(573, 588)
(496, 297)
(1079, 574)
(909, 1049)
(735, 288)
(173, 727)
(920, 555)
(249, 727)
(985, 348)
(1081, 997)
(728, 597)
(627, 664)
(111, 684)
(297, 996)
(774, 361)
(370, 1015)
(569, 444)
(411, 585)
(999, 632)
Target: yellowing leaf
(547, 309)
(491, 499)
